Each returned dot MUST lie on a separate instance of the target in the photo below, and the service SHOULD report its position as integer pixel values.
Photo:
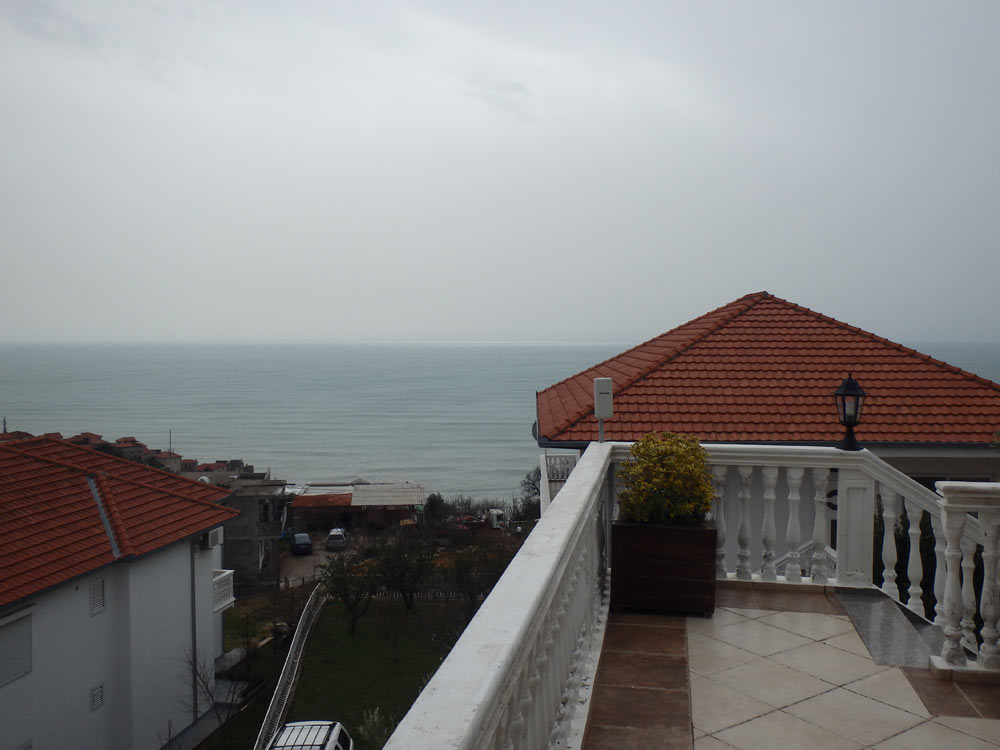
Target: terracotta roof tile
(50, 523)
(328, 500)
(762, 369)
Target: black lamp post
(850, 398)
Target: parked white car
(336, 540)
(312, 735)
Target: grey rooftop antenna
(603, 388)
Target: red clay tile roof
(86, 438)
(49, 520)
(15, 435)
(762, 369)
(330, 500)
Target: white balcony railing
(222, 590)
(555, 470)
(513, 679)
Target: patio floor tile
(707, 655)
(766, 731)
(648, 639)
(828, 663)
(855, 716)
(715, 706)
(892, 688)
(933, 736)
(758, 637)
(771, 683)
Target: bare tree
(203, 692)
(353, 583)
(473, 571)
(404, 564)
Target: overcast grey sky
(453, 171)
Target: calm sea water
(454, 418)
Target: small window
(15, 649)
(96, 697)
(96, 596)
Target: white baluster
(953, 522)
(968, 622)
(535, 729)
(940, 575)
(720, 476)
(793, 534)
(546, 709)
(989, 652)
(743, 532)
(915, 564)
(820, 530)
(501, 740)
(890, 512)
(516, 732)
(768, 533)
(562, 640)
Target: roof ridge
(95, 473)
(749, 300)
(646, 342)
(195, 500)
(124, 541)
(45, 459)
(677, 351)
(889, 342)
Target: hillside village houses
(111, 580)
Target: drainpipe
(194, 639)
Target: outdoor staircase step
(894, 635)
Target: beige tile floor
(774, 679)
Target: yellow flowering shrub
(667, 481)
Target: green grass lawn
(345, 675)
(249, 612)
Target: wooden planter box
(668, 569)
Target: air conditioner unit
(212, 538)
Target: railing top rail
(468, 691)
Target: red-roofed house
(322, 511)
(763, 370)
(89, 439)
(109, 575)
(169, 460)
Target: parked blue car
(302, 544)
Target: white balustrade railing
(555, 470)
(222, 590)
(512, 679)
(959, 611)
(844, 487)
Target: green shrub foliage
(667, 481)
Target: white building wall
(134, 648)
(160, 611)
(72, 652)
